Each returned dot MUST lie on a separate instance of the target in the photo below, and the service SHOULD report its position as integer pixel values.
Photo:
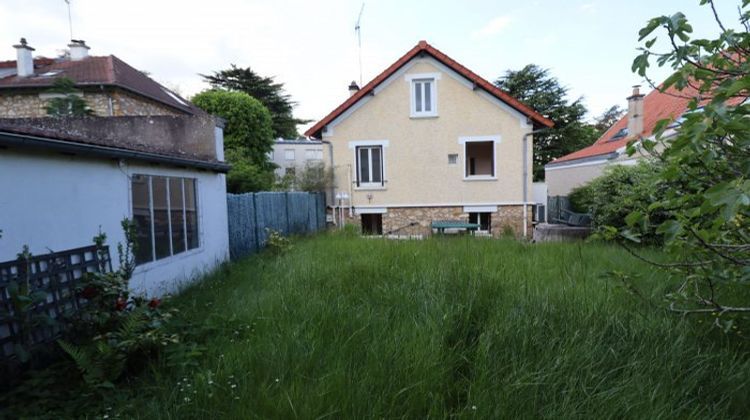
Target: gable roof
(94, 71)
(420, 48)
(657, 105)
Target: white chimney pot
(24, 60)
(78, 49)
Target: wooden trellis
(56, 275)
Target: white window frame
(198, 220)
(495, 139)
(289, 152)
(415, 78)
(370, 184)
(354, 146)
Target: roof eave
(86, 149)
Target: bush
(620, 191)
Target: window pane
(376, 165)
(161, 217)
(427, 96)
(176, 207)
(418, 96)
(364, 164)
(142, 219)
(191, 214)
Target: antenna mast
(70, 20)
(358, 30)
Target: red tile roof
(657, 105)
(424, 47)
(94, 71)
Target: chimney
(24, 61)
(635, 112)
(78, 49)
(353, 88)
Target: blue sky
(311, 45)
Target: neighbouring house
(291, 156)
(428, 140)
(64, 180)
(109, 86)
(564, 174)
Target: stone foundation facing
(418, 220)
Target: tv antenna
(358, 30)
(70, 19)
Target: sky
(311, 46)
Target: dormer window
(423, 94)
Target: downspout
(525, 181)
(332, 189)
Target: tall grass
(345, 327)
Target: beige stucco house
(430, 140)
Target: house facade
(291, 156)
(147, 155)
(430, 140)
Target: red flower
(89, 292)
(155, 302)
(120, 304)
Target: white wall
(300, 160)
(56, 202)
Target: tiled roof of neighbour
(107, 70)
(180, 138)
(424, 47)
(657, 106)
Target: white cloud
(492, 27)
(588, 7)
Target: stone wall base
(507, 220)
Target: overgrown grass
(346, 327)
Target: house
(110, 86)
(564, 174)
(292, 155)
(428, 140)
(64, 180)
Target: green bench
(442, 225)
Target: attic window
(50, 73)
(175, 97)
(620, 134)
(423, 91)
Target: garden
(339, 326)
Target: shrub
(621, 190)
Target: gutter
(12, 139)
(330, 155)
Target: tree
(535, 87)
(248, 138)
(269, 92)
(608, 118)
(706, 176)
(67, 101)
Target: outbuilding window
(165, 213)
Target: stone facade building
(110, 87)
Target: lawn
(346, 327)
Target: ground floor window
(484, 220)
(166, 216)
(372, 224)
(480, 158)
(370, 166)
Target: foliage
(70, 104)
(114, 331)
(269, 92)
(608, 118)
(276, 242)
(706, 176)
(535, 87)
(248, 138)
(611, 197)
